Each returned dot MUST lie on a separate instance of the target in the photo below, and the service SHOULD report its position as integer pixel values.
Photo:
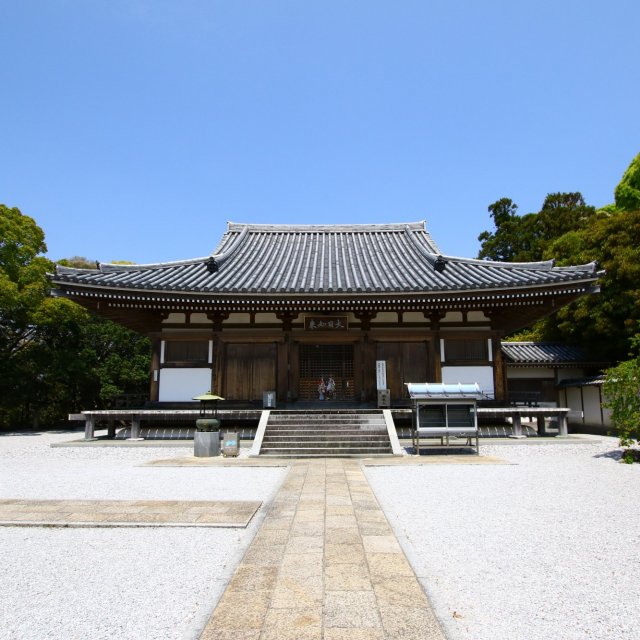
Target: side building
(280, 307)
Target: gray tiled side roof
(307, 259)
(541, 353)
(590, 381)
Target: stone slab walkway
(127, 513)
(216, 461)
(325, 565)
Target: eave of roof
(544, 354)
(307, 260)
(592, 381)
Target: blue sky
(134, 129)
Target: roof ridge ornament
(216, 260)
(435, 259)
(440, 264)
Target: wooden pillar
(286, 374)
(365, 375)
(154, 390)
(215, 345)
(499, 377)
(283, 369)
(217, 366)
(435, 342)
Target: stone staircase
(305, 434)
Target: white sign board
(381, 375)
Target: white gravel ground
(544, 549)
(151, 583)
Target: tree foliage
(622, 391)
(604, 323)
(570, 232)
(525, 238)
(55, 357)
(627, 193)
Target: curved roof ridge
(223, 256)
(593, 265)
(541, 264)
(109, 267)
(431, 256)
(315, 228)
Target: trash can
(230, 444)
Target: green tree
(501, 245)
(627, 193)
(23, 288)
(622, 393)
(55, 357)
(569, 231)
(603, 324)
(526, 238)
(22, 279)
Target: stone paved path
(325, 565)
(130, 513)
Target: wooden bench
(136, 416)
(539, 413)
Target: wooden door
(250, 369)
(406, 362)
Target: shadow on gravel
(31, 432)
(612, 455)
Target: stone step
(345, 429)
(325, 451)
(324, 435)
(337, 435)
(336, 423)
(328, 444)
(327, 455)
(326, 421)
(319, 416)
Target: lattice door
(321, 361)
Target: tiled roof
(592, 381)
(541, 353)
(322, 259)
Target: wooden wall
(250, 369)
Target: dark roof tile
(324, 259)
(541, 353)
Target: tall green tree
(22, 279)
(627, 193)
(605, 323)
(501, 245)
(55, 357)
(569, 231)
(622, 393)
(526, 238)
(23, 288)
